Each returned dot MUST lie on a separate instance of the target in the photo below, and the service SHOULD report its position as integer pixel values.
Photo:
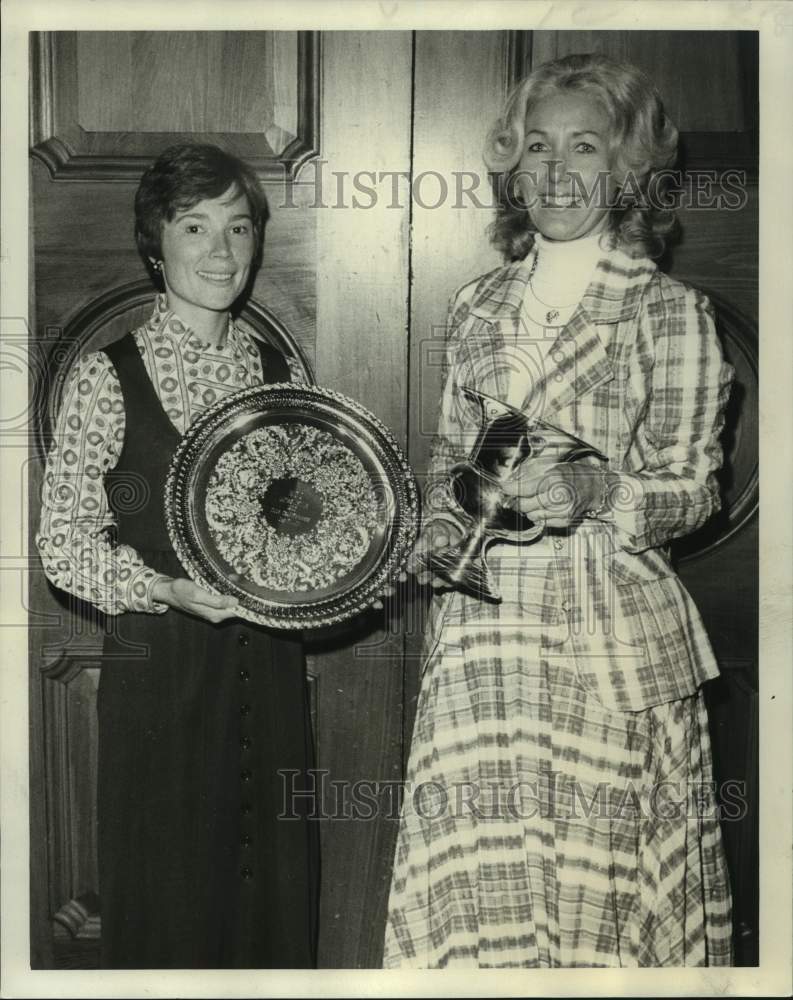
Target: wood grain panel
(362, 295)
(106, 103)
(450, 243)
(697, 101)
(71, 739)
(461, 81)
(41, 940)
(105, 77)
(724, 584)
(182, 82)
(283, 58)
(733, 709)
(718, 252)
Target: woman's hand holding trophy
(522, 476)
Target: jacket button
(246, 841)
(246, 808)
(245, 675)
(245, 775)
(246, 873)
(245, 709)
(245, 742)
(243, 639)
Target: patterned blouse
(189, 376)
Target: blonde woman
(549, 818)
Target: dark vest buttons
(243, 639)
(245, 675)
(245, 709)
(246, 873)
(246, 775)
(245, 743)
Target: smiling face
(207, 251)
(565, 170)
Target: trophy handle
(465, 565)
(507, 439)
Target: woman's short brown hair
(182, 176)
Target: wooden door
(333, 287)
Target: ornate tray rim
(329, 610)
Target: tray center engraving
(291, 506)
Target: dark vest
(136, 487)
(196, 723)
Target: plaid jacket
(639, 373)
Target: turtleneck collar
(564, 267)
(566, 253)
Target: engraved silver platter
(295, 500)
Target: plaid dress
(558, 806)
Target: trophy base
(474, 576)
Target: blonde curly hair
(643, 142)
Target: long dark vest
(195, 720)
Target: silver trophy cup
(507, 439)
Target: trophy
(507, 439)
(294, 499)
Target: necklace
(552, 311)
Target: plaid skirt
(542, 829)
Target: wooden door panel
(105, 103)
(718, 99)
(361, 350)
(69, 696)
(461, 79)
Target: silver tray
(295, 500)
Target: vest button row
(246, 808)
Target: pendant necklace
(552, 312)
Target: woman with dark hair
(198, 712)
(560, 753)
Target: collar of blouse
(166, 322)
